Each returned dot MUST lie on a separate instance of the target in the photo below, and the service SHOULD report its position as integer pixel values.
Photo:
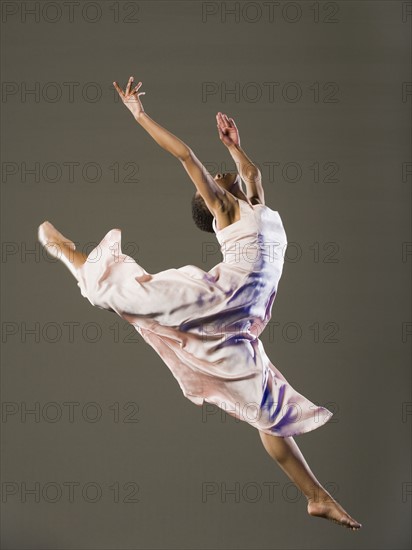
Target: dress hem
(308, 429)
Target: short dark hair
(201, 214)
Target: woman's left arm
(211, 192)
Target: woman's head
(201, 214)
(228, 180)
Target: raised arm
(249, 172)
(211, 192)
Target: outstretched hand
(228, 132)
(131, 98)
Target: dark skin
(231, 182)
(230, 211)
(221, 195)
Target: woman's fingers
(119, 90)
(221, 119)
(129, 85)
(137, 88)
(126, 95)
(223, 124)
(225, 121)
(222, 132)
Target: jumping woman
(206, 325)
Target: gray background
(346, 232)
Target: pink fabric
(206, 325)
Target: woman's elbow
(252, 173)
(184, 154)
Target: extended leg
(320, 503)
(60, 247)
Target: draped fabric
(205, 325)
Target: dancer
(206, 325)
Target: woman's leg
(60, 247)
(320, 503)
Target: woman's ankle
(319, 494)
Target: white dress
(206, 325)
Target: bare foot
(51, 238)
(327, 507)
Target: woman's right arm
(206, 185)
(162, 137)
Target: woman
(206, 325)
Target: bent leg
(289, 457)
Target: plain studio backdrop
(100, 449)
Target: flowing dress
(205, 325)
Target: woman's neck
(238, 193)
